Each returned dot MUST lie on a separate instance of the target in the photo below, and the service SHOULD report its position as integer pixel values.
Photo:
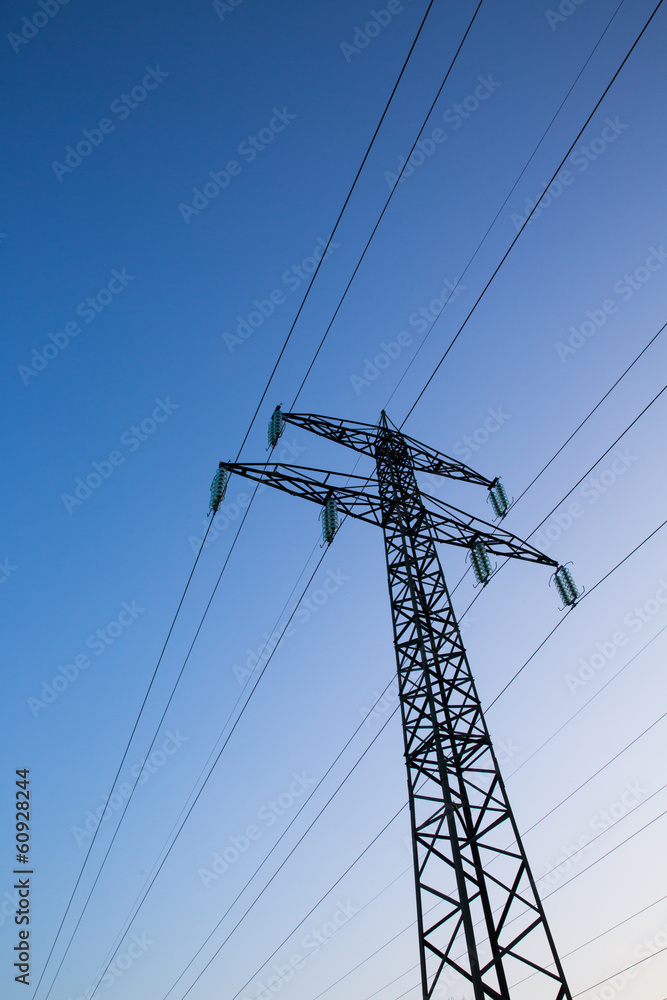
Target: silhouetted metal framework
(489, 925)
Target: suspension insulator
(481, 564)
(218, 488)
(498, 499)
(276, 426)
(329, 520)
(566, 587)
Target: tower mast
(479, 914)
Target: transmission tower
(489, 925)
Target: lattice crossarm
(353, 501)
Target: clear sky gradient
(172, 173)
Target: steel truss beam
(362, 438)
(488, 926)
(448, 524)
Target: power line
(597, 937)
(507, 198)
(120, 766)
(620, 971)
(376, 952)
(298, 843)
(302, 383)
(550, 871)
(592, 776)
(155, 735)
(603, 857)
(604, 453)
(557, 453)
(528, 830)
(391, 983)
(566, 955)
(318, 348)
(580, 480)
(226, 741)
(620, 563)
(317, 269)
(256, 873)
(530, 214)
(161, 657)
(587, 781)
(478, 247)
(567, 797)
(143, 895)
(322, 898)
(569, 881)
(412, 968)
(589, 415)
(606, 577)
(254, 492)
(598, 460)
(586, 704)
(333, 231)
(587, 594)
(386, 204)
(123, 931)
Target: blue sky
(144, 314)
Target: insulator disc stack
(218, 488)
(329, 520)
(276, 426)
(566, 587)
(481, 564)
(498, 499)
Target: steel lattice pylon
(489, 925)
